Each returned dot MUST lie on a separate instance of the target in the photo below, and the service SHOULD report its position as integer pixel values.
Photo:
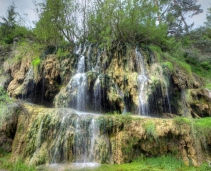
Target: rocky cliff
(123, 80)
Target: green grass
(204, 123)
(5, 163)
(164, 163)
(168, 65)
(182, 120)
(179, 62)
(185, 66)
(157, 52)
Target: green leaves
(126, 21)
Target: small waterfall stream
(38, 142)
(78, 82)
(58, 139)
(28, 83)
(89, 66)
(97, 95)
(86, 133)
(142, 85)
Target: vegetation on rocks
(121, 59)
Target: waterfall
(43, 85)
(183, 101)
(94, 131)
(38, 142)
(142, 85)
(28, 83)
(79, 50)
(86, 132)
(97, 95)
(166, 90)
(58, 139)
(78, 84)
(97, 67)
(89, 66)
(81, 64)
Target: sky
(27, 7)
(22, 7)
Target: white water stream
(142, 85)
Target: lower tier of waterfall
(61, 135)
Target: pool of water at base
(68, 167)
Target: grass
(182, 120)
(5, 163)
(164, 163)
(157, 52)
(168, 65)
(203, 127)
(179, 62)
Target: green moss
(36, 61)
(155, 48)
(179, 62)
(150, 128)
(157, 52)
(181, 120)
(185, 66)
(203, 124)
(168, 65)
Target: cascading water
(86, 133)
(97, 66)
(57, 142)
(89, 66)
(166, 93)
(142, 85)
(183, 101)
(78, 83)
(97, 95)
(28, 84)
(38, 142)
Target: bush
(36, 61)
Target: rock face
(64, 135)
(8, 127)
(122, 80)
(88, 79)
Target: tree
(8, 25)
(176, 15)
(125, 21)
(208, 22)
(57, 21)
(47, 29)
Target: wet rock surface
(65, 135)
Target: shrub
(36, 61)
